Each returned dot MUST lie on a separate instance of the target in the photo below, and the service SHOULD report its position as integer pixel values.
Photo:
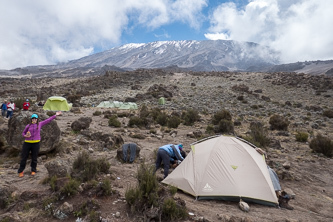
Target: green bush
(328, 113)
(88, 208)
(144, 112)
(97, 113)
(171, 211)
(258, 134)
(218, 116)
(70, 188)
(210, 129)
(173, 122)
(321, 144)
(155, 113)
(190, 116)
(145, 194)
(105, 186)
(85, 168)
(224, 126)
(173, 190)
(278, 122)
(302, 137)
(50, 113)
(162, 119)
(19, 102)
(113, 121)
(136, 121)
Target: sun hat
(34, 116)
(180, 146)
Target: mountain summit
(208, 55)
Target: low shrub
(97, 113)
(171, 211)
(144, 112)
(224, 126)
(113, 121)
(136, 121)
(145, 194)
(173, 190)
(259, 134)
(19, 102)
(278, 122)
(302, 137)
(321, 144)
(222, 114)
(162, 119)
(70, 188)
(328, 113)
(210, 129)
(105, 186)
(173, 122)
(241, 88)
(50, 113)
(85, 168)
(190, 116)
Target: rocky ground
(248, 96)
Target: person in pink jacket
(31, 143)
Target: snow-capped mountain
(208, 55)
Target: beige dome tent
(57, 103)
(226, 168)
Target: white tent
(226, 168)
(119, 105)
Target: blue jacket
(173, 151)
(4, 106)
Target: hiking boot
(283, 203)
(21, 174)
(33, 173)
(286, 206)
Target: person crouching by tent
(174, 163)
(26, 105)
(31, 143)
(167, 153)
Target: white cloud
(38, 32)
(300, 29)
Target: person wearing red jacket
(26, 105)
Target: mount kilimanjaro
(187, 55)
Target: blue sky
(39, 32)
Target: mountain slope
(210, 55)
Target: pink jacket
(35, 132)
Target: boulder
(81, 123)
(58, 167)
(50, 133)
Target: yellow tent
(57, 103)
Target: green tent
(128, 105)
(106, 104)
(57, 103)
(119, 105)
(161, 101)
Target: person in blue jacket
(167, 153)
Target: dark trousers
(163, 155)
(9, 114)
(26, 149)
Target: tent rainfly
(225, 168)
(161, 101)
(57, 103)
(119, 105)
